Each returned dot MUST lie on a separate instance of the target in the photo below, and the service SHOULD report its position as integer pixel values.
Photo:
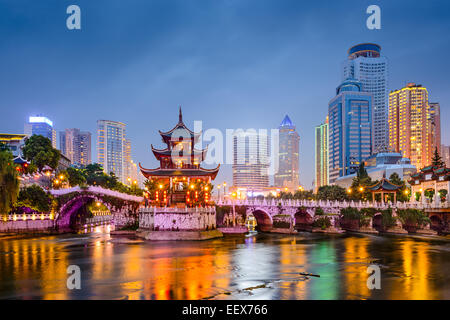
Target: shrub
(319, 211)
(322, 223)
(36, 198)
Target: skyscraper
(321, 155)
(40, 125)
(413, 124)
(287, 175)
(250, 160)
(366, 65)
(435, 115)
(76, 145)
(350, 129)
(111, 147)
(445, 154)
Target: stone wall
(27, 226)
(122, 219)
(178, 220)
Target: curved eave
(168, 153)
(158, 172)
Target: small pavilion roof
(168, 153)
(20, 160)
(167, 136)
(384, 185)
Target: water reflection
(259, 266)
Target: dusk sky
(230, 63)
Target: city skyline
(143, 89)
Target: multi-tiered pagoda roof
(180, 158)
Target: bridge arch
(436, 223)
(69, 210)
(303, 220)
(263, 219)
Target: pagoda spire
(180, 116)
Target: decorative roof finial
(180, 117)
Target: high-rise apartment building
(251, 160)
(40, 125)
(366, 65)
(76, 145)
(445, 154)
(350, 129)
(414, 124)
(111, 148)
(321, 155)
(287, 175)
(435, 115)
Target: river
(261, 266)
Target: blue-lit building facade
(350, 129)
(366, 64)
(40, 125)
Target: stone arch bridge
(303, 212)
(122, 208)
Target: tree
(332, 193)
(75, 176)
(437, 160)
(361, 182)
(38, 149)
(36, 198)
(9, 182)
(395, 179)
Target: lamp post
(233, 196)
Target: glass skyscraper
(40, 125)
(287, 175)
(321, 155)
(350, 129)
(76, 145)
(251, 160)
(111, 148)
(366, 65)
(414, 124)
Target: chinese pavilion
(180, 179)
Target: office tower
(366, 65)
(40, 125)
(350, 129)
(111, 148)
(131, 171)
(76, 145)
(435, 115)
(287, 175)
(321, 155)
(413, 124)
(445, 154)
(251, 160)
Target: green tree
(332, 193)
(359, 190)
(36, 198)
(38, 149)
(9, 181)
(402, 193)
(75, 177)
(437, 160)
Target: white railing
(28, 217)
(98, 219)
(98, 190)
(334, 204)
(176, 210)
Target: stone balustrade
(333, 204)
